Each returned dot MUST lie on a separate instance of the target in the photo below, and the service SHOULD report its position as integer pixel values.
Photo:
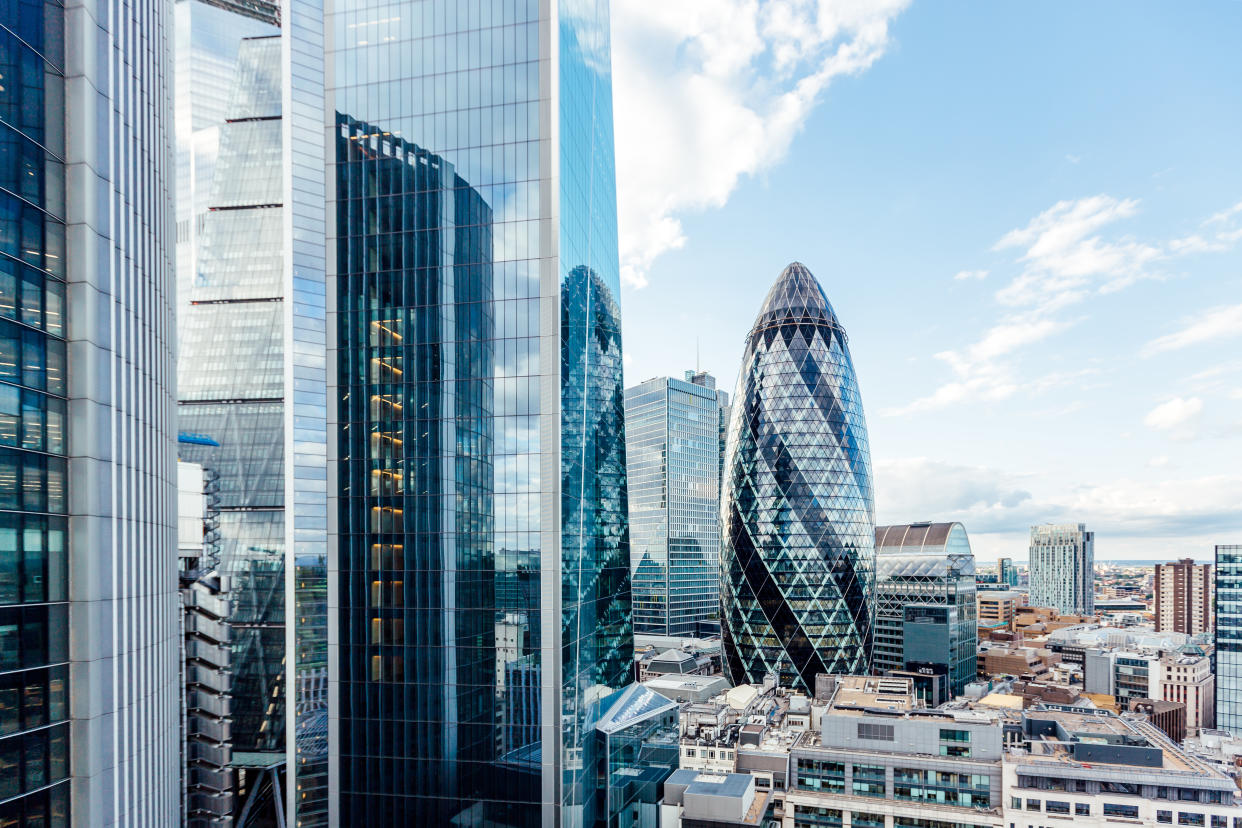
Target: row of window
(34, 760)
(32, 559)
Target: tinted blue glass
(1229, 638)
(798, 520)
(33, 480)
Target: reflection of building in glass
(798, 551)
(465, 204)
(1229, 638)
(417, 378)
(231, 368)
(252, 370)
(925, 601)
(87, 438)
(1062, 568)
(673, 460)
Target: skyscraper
(1229, 638)
(1006, 572)
(797, 516)
(478, 482)
(1184, 597)
(1062, 568)
(88, 584)
(673, 453)
(927, 567)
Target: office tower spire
(798, 521)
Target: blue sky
(1028, 218)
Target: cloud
(963, 275)
(989, 501)
(1173, 413)
(709, 91)
(1213, 324)
(1065, 255)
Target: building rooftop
(873, 693)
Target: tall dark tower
(798, 519)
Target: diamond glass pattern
(798, 549)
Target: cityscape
(356, 471)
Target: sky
(1028, 218)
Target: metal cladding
(798, 518)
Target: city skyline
(1053, 229)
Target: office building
(477, 413)
(1093, 768)
(1006, 572)
(672, 434)
(89, 626)
(797, 514)
(1229, 638)
(925, 601)
(1183, 592)
(1062, 568)
(997, 610)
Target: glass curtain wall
(479, 473)
(34, 733)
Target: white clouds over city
(709, 91)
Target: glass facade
(797, 514)
(1229, 638)
(926, 565)
(1062, 568)
(479, 482)
(231, 335)
(34, 632)
(673, 454)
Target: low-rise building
(1098, 770)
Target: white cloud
(964, 275)
(1173, 413)
(1213, 324)
(1065, 255)
(708, 91)
(988, 500)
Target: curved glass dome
(798, 519)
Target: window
(1220, 821)
(1052, 806)
(1184, 818)
(954, 750)
(875, 732)
(689, 751)
(1015, 802)
(1032, 804)
(1082, 809)
(1124, 811)
(951, 735)
(1165, 817)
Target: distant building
(673, 458)
(1006, 572)
(1183, 592)
(925, 601)
(998, 609)
(1229, 639)
(1062, 568)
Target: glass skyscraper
(1062, 568)
(797, 515)
(88, 585)
(673, 451)
(925, 565)
(1229, 638)
(480, 613)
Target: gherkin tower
(797, 514)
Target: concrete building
(1029, 663)
(1096, 769)
(1062, 568)
(701, 799)
(1183, 675)
(673, 461)
(1183, 594)
(998, 609)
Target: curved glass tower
(798, 520)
